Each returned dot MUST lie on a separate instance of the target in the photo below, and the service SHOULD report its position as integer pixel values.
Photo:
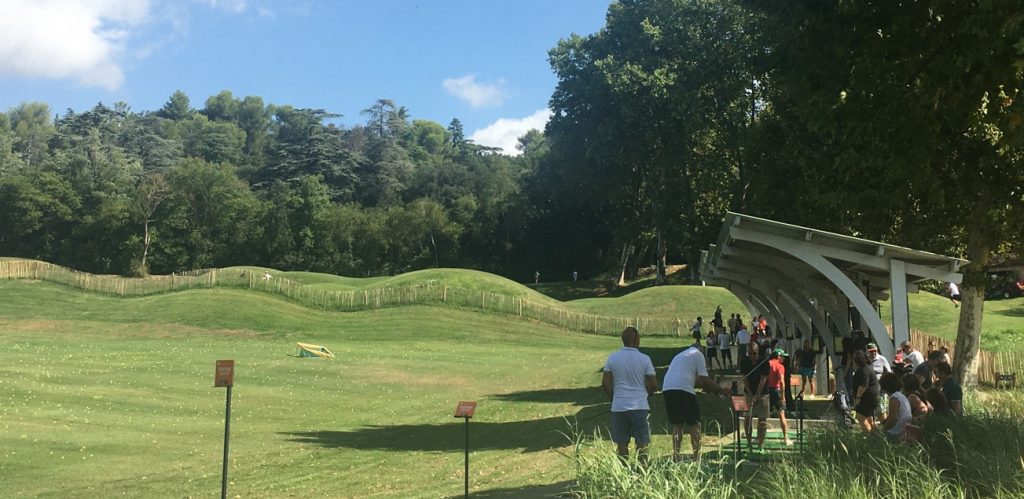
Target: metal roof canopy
(810, 277)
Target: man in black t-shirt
(755, 392)
(865, 391)
(924, 371)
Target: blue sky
(484, 62)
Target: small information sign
(465, 409)
(225, 374)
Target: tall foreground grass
(977, 455)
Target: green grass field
(104, 396)
(1002, 328)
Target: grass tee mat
(103, 396)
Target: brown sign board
(225, 374)
(465, 409)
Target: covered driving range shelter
(820, 282)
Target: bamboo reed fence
(433, 293)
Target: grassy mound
(103, 395)
(684, 302)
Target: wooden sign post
(465, 410)
(224, 376)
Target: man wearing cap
(628, 379)
(879, 363)
(776, 378)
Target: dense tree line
(241, 182)
(892, 121)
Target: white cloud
(80, 39)
(88, 41)
(476, 94)
(504, 132)
(233, 6)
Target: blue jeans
(633, 424)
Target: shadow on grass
(586, 396)
(559, 489)
(525, 436)
(1011, 312)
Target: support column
(898, 298)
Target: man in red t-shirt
(776, 378)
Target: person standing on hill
(954, 294)
(685, 373)
(732, 324)
(718, 317)
(742, 340)
(628, 380)
(711, 351)
(725, 351)
(697, 329)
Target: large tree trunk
(623, 262)
(972, 294)
(633, 271)
(661, 277)
(143, 269)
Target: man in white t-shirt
(954, 294)
(725, 351)
(911, 355)
(742, 340)
(686, 371)
(628, 380)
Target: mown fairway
(103, 396)
(106, 396)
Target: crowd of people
(896, 398)
(892, 398)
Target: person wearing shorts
(755, 379)
(685, 373)
(776, 378)
(807, 360)
(712, 351)
(628, 380)
(725, 351)
(865, 391)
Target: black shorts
(712, 352)
(867, 405)
(775, 399)
(727, 354)
(681, 407)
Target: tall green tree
(915, 110)
(177, 107)
(649, 106)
